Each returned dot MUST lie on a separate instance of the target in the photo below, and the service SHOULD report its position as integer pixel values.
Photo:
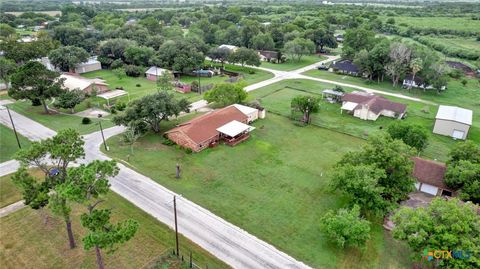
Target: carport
(113, 94)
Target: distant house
(461, 66)
(154, 72)
(87, 85)
(231, 48)
(345, 67)
(204, 73)
(368, 106)
(430, 177)
(339, 38)
(91, 65)
(228, 124)
(418, 82)
(453, 121)
(268, 55)
(27, 39)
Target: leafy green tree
(6, 30)
(150, 110)
(391, 156)
(68, 57)
(346, 227)
(444, 225)
(466, 151)
(86, 185)
(365, 63)
(165, 81)
(263, 42)
(119, 72)
(306, 105)
(35, 82)
(463, 171)
(69, 99)
(360, 183)
(322, 37)
(465, 177)
(21, 52)
(249, 29)
(416, 66)
(297, 48)
(115, 48)
(357, 39)
(178, 55)
(414, 135)
(225, 94)
(7, 68)
(400, 56)
(245, 56)
(130, 136)
(138, 55)
(219, 54)
(52, 156)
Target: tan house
(430, 177)
(368, 106)
(228, 124)
(87, 85)
(453, 121)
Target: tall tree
(34, 81)
(298, 47)
(416, 66)
(219, 54)
(306, 105)
(263, 42)
(346, 227)
(138, 55)
(86, 185)
(245, 56)
(52, 156)
(443, 225)
(357, 39)
(68, 57)
(150, 110)
(7, 68)
(391, 156)
(178, 55)
(400, 55)
(322, 37)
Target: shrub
(86, 120)
(138, 85)
(133, 70)
(113, 110)
(120, 106)
(117, 64)
(464, 82)
(168, 142)
(455, 73)
(188, 150)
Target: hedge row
(451, 51)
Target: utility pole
(101, 130)
(13, 126)
(176, 226)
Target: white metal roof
(91, 60)
(155, 71)
(112, 94)
(349, 106)
(234, 128)
(246, 109)
(230, 47)
(77, 82)
(454, 113)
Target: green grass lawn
(58, 122)
(8, 143)
(274, 185)
(451, 23)
(27, 242)
(290, 65)
(277, 97)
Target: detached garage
(430, 177)
(453, 121)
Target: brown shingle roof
(430, 172)
(205, 127)
(376, 103)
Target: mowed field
(274, 185)
(27, 241)
(450, 23)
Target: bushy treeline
(449, 50)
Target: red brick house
(201, 132)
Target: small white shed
(453, 121)
(250, 112)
